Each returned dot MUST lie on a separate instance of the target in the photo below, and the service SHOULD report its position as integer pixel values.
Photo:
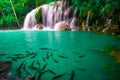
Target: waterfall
(54, 16)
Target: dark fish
(62, 56)
(40, 75)
(9, 57)
(50, 71)
(55, 50)
(44, 67)
(45, 49)
(72, 75)
(1, 54)
(43, 58)
(24, 67)
(51, 54)
(30, 54)
(76, 52)
(32, 64)
(33, 68)
(27, 73)
(34, 56)
(82, 69)
(27, 51)
(18, 54)
(20, 57)
(19, 72)
(78, 61)
(33, 77)
(47, 56)
(55, 60)
(38, 62)
(81, 56)
(20, 66)
(59, 76)
(14, 58)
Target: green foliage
(37, 14)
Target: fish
(78, 61)
(50, 71)
(40, 75)
(27, 51)
(33, 77)
(24, 68)
(72, 75)
(2, 54)
(34, 56)
(81, 56)
(20, 57)
(58, 76)
(32, 53)
(62, 56)
(55, 50)
(20, 66)
(47, 55)
(18, 54)
(33, 68)
(81, 69)
(51, 54)
(14, 58)
(45, 49)
(76, 52)
(55, 60)
(38, 62)
(44, 66)
(32, 64)
(43, 58)
(19, 72)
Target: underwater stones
(61, 26)
(5, 65)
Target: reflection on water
(57, 55)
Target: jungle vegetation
(99, 15)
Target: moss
(113, 51)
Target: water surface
(62, 52)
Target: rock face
(60, 26)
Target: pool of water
(65, 55)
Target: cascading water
(54, 16)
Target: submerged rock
(4, 68)
(5, 65)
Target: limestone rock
(61, 26)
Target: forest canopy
(98, 10)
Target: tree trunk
(15, 13)
(2, 11)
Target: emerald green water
(62, 52)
